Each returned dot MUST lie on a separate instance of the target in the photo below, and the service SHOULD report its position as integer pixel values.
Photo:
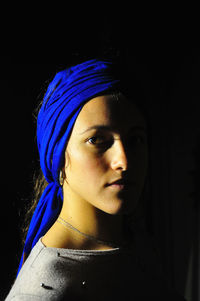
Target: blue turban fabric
(66, 95)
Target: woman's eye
(136, 140)
(100, 141)
(96, 140)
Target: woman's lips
(120, 184)
(117, 186)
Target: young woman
(93, 149)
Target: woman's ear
(61, 177)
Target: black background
(164, 52)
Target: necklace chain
(68, 225)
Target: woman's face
(106, 156)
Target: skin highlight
(106, 163)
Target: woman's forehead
(108, 111)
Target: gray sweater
(118, 274)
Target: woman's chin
(120, 207)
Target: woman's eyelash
(137, 139)
(102, 141)
(96, 140)
(91, 140)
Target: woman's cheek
(87, 166)
(92, 169)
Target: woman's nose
(119, 159)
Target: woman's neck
(90, 222)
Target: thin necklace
(102, 242)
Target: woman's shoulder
(37, 278)
(52, 274)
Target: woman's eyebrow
(97, 127)
(109, 128)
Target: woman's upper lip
(120, 182)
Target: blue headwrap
(64, 99)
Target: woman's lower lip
(117, 186)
